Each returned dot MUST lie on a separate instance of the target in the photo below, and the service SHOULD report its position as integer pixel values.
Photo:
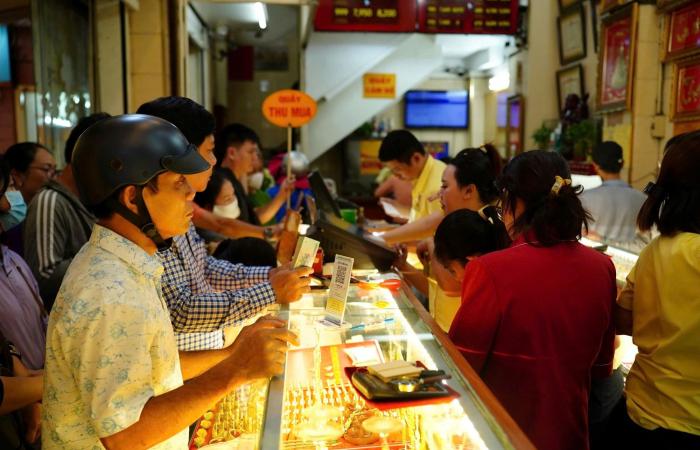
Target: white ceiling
(242, 25)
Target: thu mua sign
(289, 108)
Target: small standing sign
(338, 291)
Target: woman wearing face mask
(220, 198)
(23, 318)
(31, 167)
(13, 211)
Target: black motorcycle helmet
(130, 149)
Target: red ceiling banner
(468, 16)
(397, 16)
(423, 16)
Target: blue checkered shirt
(205, 294)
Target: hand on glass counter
(290, 284)
(259, 350)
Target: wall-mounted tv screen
(5, 75)
(436, 109)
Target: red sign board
(424, 16)
(468, 16)
(364, 15)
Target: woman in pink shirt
(535, 320)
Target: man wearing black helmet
(205, 295)
(114, 377)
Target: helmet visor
(188, 163)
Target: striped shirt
(56, 228)
(205, 294)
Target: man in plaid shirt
(205, 294)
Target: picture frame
(566, 4)
(607, 5)
(616, 59)
(515, 125)
(670, 5)
(594, 23)
(685, 103)
(682, 32)
(569, 81)
(571, 28)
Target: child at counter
(528, 325)
(464, 235)
(660, 308)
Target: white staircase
(333, 66)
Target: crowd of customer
(135, 268)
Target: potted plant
(542, 136)
(581, 137)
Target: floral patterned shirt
(110, 346)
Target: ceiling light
(499, 82)
(261, 14)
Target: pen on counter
(372, 325)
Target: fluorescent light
(499, 82)
(261, 14)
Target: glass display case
(314, 405)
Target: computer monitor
(340, 237)
(324, 199)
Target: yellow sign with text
(379, 85)
(289, 108)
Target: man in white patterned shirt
(113, 375)
(205, 294)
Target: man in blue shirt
(615, 204)
(204, 294)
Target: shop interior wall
(148, 57)
(456, 138)
(109, 61)
(246, 97)
(651, 93)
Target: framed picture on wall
(685, 104)
(569, 81)
(607, 5)
(515, 125)
(571, 26)
(565, 4)
(594, 24)
(670, 5)
(683, 32)
(617, 58)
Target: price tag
(338, 291)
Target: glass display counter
(623, 260)
(314, 405)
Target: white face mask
(255, 180)
(230, 211)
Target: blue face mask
(17, 212)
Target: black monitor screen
(324, 200)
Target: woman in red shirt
(535, 320)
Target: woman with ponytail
(468, 181)
(464, 235)
(536, 318)
(660, 308)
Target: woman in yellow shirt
(660, 308)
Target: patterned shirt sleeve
(208, 311)
(225, 276)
